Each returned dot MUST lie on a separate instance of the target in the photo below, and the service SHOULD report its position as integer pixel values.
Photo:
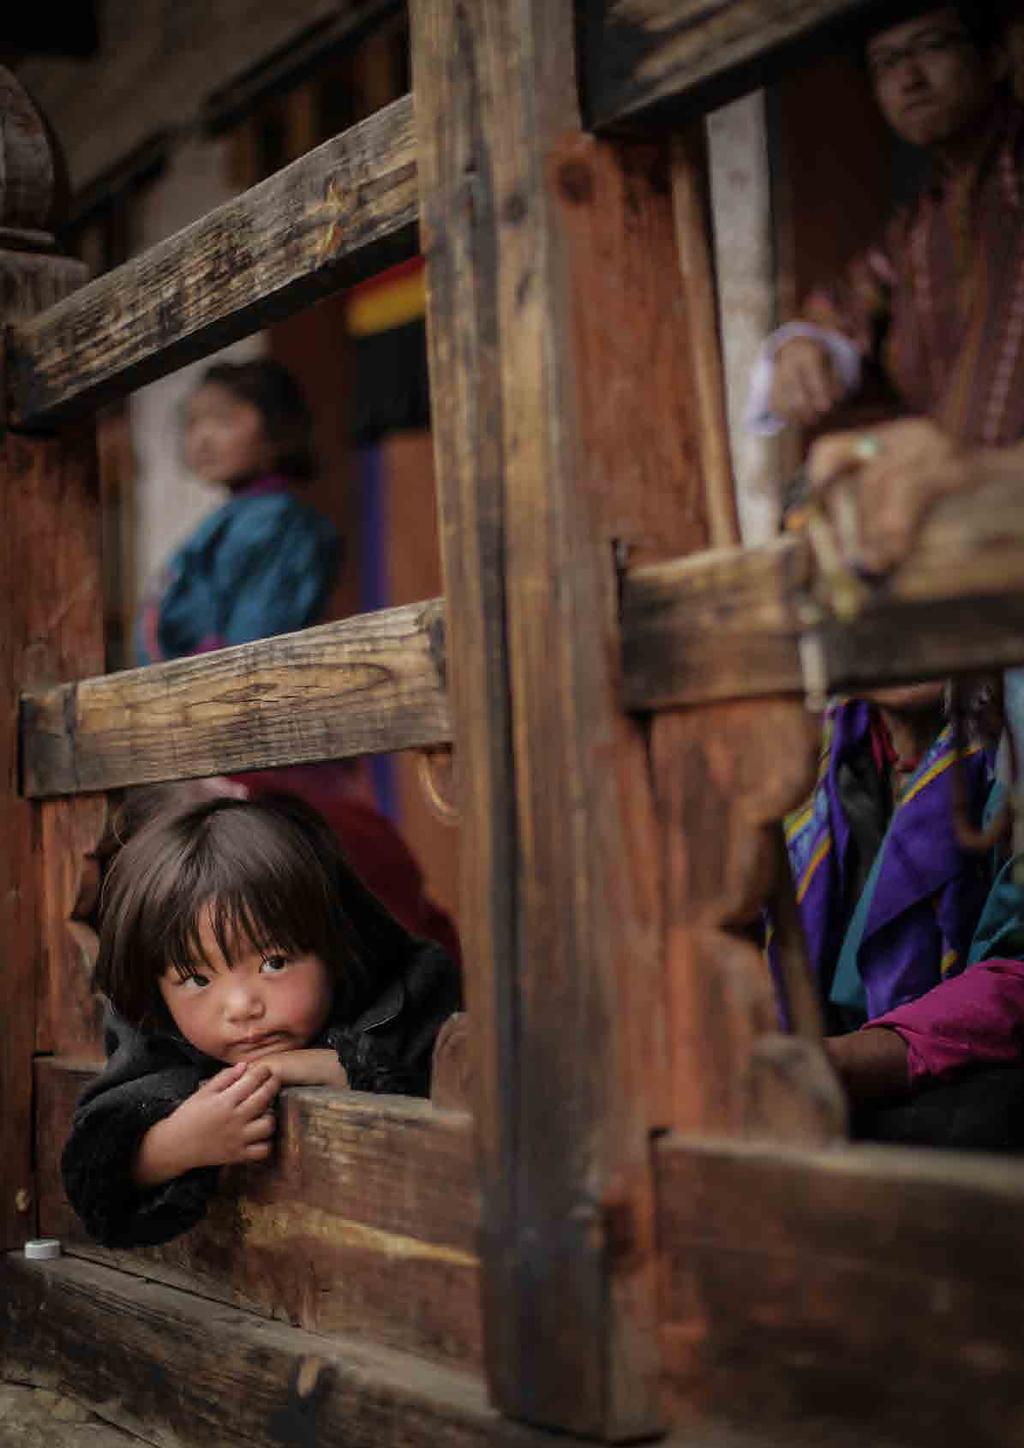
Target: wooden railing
(628, 740)
(726, 625)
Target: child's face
(225, 437)
(253, 1005)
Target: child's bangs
(237, 925)
(245, 892)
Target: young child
(264, 562)
(239, 953)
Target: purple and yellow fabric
(914, 921)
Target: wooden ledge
(643, 59)
(745, 623)
(365, 685)
(363, 1223)
(731, 624)
(343, 211)
(171, 1366)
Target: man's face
(930, 81)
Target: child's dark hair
(280, 401)
(272, 875)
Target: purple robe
(929, 892)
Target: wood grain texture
(566, 248)
(344, 210)
(724, 776)
(645, 57)
(871, 1291)
(458, 239)
(50, 627)
(364, 685)
(69, 1016)
(692, 208)
(735, 623)
(363, 1223)
(176, 1368)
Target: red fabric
(374, 847)
(973, 1019)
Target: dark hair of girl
(270, 873)
(280, 401)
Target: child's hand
(306, 1068)
(226, 1122)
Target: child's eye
(196, 981)
(272, 964)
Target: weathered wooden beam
(737, 624)
(556, 316)
(50, 627)
(174, 1367)
(344, 210)
(645, 58)
(866, 1290)
(361, 686)
(363, 1222)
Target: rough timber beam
(366, 685)
(337, 214)
(645, 57)
(728, 624)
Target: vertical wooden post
(564, 399)
(50, 623)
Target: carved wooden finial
(33, 186)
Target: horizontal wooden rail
(742, 623)
(869, 1287)
(646, 56)
(339, 213)
(794, 1282)
(730, 624)
(364, 1222)
(366, 685)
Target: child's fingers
(259, 1130)
(258, 1100)
(252, 1079)
(225, 1078)
(258, 1150)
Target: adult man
(939, 303)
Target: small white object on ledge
(42, 1249)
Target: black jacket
(148, 1074)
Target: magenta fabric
(973, 1019)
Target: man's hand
(898, 471)
(226, 1122)
(872, 1064)
(805, 387)
(308, 1067)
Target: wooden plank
(643, 59)
(361, 686)
(363, 1223)
(692, 207)
(719, 625)
(50, 624)
(175, 1368)
(871, 1289)
(341, 212)
(725, 776)
(566, 249)
(736, 624)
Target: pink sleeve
(976, 1018)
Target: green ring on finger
(866, 448)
